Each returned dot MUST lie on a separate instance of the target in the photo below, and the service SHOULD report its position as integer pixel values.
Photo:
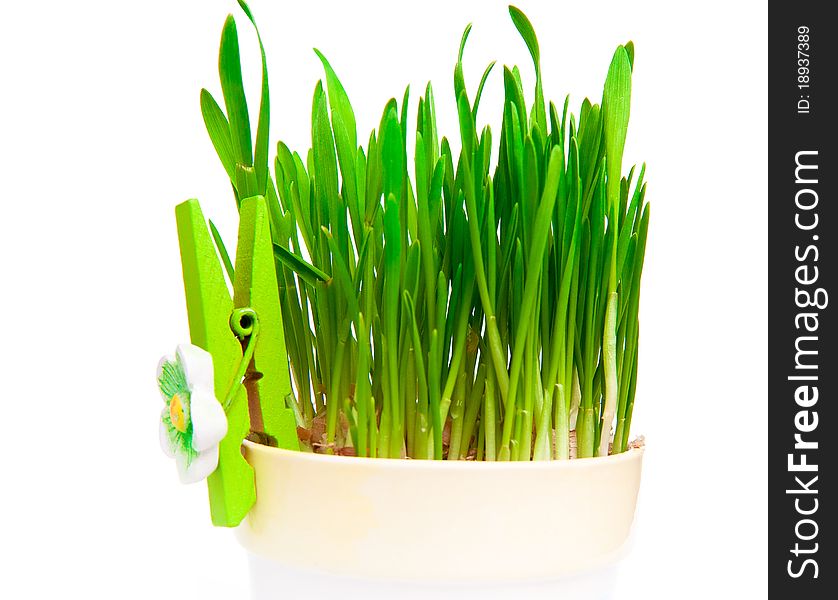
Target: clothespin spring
(244, 322)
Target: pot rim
(633, 453)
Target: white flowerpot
(378, 528)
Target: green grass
(441, 309)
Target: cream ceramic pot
(435, 522)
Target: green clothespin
(232, 490)
(267, 379)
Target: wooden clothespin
(260, 404)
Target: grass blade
(222, 251)
(229, 69)
(308, 272)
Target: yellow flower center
(176, 413)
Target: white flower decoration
(193, 421)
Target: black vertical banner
(803, 229)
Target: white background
(102, 135)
